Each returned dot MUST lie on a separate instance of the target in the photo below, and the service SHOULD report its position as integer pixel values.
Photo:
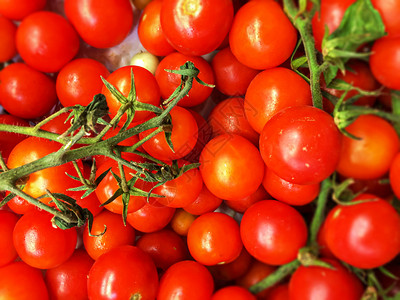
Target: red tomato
(100, 23)
(23, 282)
(243, 204)
(150, 218)
(231, 166)
(322, 283)
(7, 224)
(147, 90)
(385, 61)
(46, 41)
(365, 235)
(231, 77)
(36, 93)
(186, 280)
(116, 234)
(165, 247)
(268, 93)
(233, 292)
(9, 140)
(301, 144)
(204, 203)
(69, 280)
(262, 36)
(214, 238)
(19, 9)
(389, 12)
(7, 36)
(279, 292)
(150, 31)
(229, 116)
(394, 175)
(196, 27)
(124, 272)
(168, 82)
(79, 81)
(273, 232)
(39, 243)
(290, 193)
(181, 221)
(371, 156)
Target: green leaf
(113, 90)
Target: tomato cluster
(264, 181)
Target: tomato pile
(200, 149)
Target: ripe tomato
(7, 36)
(7, 224)
(36, 93)
(262, 36)
(147, 90)
(365, 235)
(273, 232)
(23, 282)
(184, 134)
(204, 203)
(371, 156)
(150, 32)
(117, 234)
(389, 11)
(9, 140)
(181, 221)
(79, 80)
(100, 23)
(19, 9)
(233, 292)
(231, 77)
(46, 41)
(39, 243)
(125, 272)
(186, 280)
(214, 238)
(243, 204)
(196, 27)
(268, 93)
(69, 280)
(168, 82)
(279, 292)
(231, 166)
(301, 144)
(315, 282)
(394, 175)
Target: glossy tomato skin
(389, 11)
(186, 280)
(204, 203)
(365, 235)
(23, 282)
(43, 245)
(46, 41)
(7, 223)
(79, 80)
(7, 35)
(122, 273)
(262, 36)
(242, 204)
(231, 167)
(315, 282)
(9, 140)
(147, 90)
(69, 280)
(36, 93)
(369, 157)
(101, 23)
(301, 144)
(268, 93)
(273, 232)
(19, 9)
(196, 27)
(394, 175)
(233, 292)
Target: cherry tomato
(233, 292)
(7, 223)
(196, 27)
(243, 204)
(46, 41)
(273, 232)
(204, 203)
(23, 282)
(231, 167)
(69, 280)
(364, 235)
(181, 221)
(279, 292)
(101, 23)
(371, 155)
(7, 36)
(394, 175)
(19, 9)
(36, 93)
(262, 36)
(9, 140)
(125, 272)
(79, 80)
(315, 282)
(186, 280)
(268, 93)
(41, 244)
(389, 10)
(301, 144)
(168, 82)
